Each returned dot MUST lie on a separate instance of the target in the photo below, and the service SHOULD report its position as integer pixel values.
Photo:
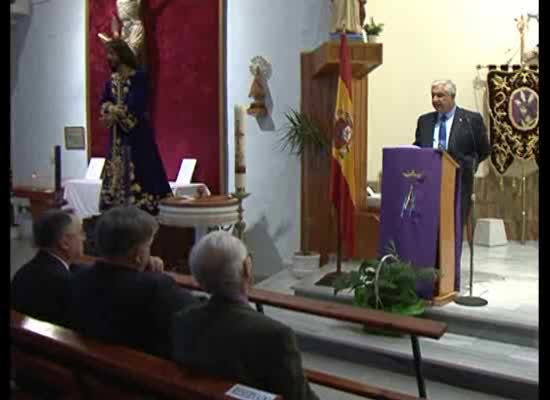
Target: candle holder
(240, 225)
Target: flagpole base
(330, 278)
(471, 301)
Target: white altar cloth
(82, 195)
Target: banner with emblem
(514, 110)
(342, 171)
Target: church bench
(80, 367)
(412, 326)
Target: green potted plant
(299, 135)
(373, 30)
(387, 284)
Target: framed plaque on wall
(74, 138)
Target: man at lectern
(460, 132)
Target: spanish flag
(342, 173)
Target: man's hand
(155, 264)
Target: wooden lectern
(319, 74)
(445, 290)
(420, 213)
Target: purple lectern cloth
(411, 186)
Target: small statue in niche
(257, 92)
(261, 70)
(347, 16)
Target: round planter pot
(303, 265)
(372, 38)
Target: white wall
(278, 31)
(426, 40)
(49, 90)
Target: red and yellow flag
(342, 172)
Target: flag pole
(338, 245)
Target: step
(476, 364)
(471, 362)
(492, 323)
(382, 378)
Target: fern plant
(301, 132)
(392, 289)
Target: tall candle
(240, 164)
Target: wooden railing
(412, 326)
(376, 319)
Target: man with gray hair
(458, 131)
(41, 287)
(226, 337)
(125, 298)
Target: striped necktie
(442, 132)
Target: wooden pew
(80, 367)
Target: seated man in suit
(460, 132)
(226, 337)
(41, 288)
(120, 299)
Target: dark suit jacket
(125, 306)
(231, 340)
(467, 140)
(41, 288)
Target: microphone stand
(471, 300)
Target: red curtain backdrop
(183, 60)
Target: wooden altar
(319, 74)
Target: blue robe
(133, 172)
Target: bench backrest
(87, 368)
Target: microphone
(474, 160)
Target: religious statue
(260, 69)
(530, 57)
(347, 16)
(132, 30)
(133, 171)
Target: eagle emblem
(343, 133)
